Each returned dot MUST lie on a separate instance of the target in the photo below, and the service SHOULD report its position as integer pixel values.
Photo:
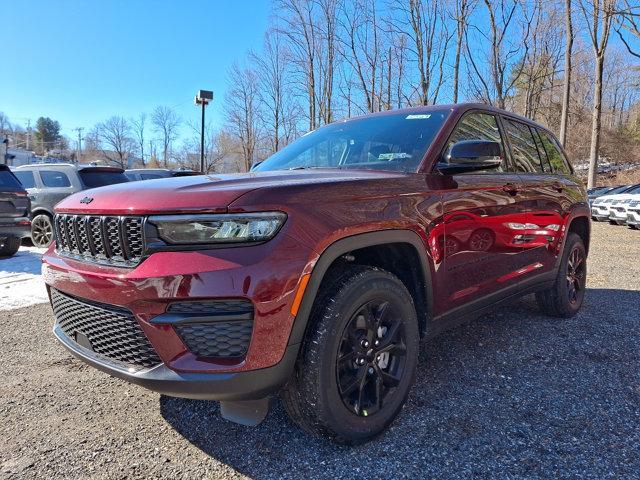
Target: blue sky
(80, 62)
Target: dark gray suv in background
(47, 184)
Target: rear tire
(565, 298)
(359, 359)
(9, 247)
(42, 231)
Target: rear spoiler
(91, 168)
(4, 167)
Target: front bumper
(600, 212)
(633, 217)
(230, 386)
(618, 214)
(266, 275)
(15, 227)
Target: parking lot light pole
(203, 98)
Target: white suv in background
(601, 205)
(618, 207)
(633, 212)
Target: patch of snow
(21, 284)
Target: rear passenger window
(544, 158)
(26, 178)
(523, 145)
(559, 163)
(54, 179)
(478, 126)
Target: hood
(202, 193)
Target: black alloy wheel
(371, 358)
(576, 274)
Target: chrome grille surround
(109, 240)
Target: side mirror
(471, 156)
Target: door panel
(475, 236)
(547, 197)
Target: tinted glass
(523, 147)
(385, 142)
(54, 179)
(8, 180)
(26, 178)
(478, 126)
(98, 178)
(544, 158)
(150, 176)
(559, 163)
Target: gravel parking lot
(513, 394)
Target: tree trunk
(596, 123)
(566, 93)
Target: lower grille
(112, 332)
(227, 332)
(217, 339)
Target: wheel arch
(364, 244)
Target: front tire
(359, 359)
(565, 298)
(41, 231)
(9, 247)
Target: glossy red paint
(468, 225)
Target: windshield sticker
(393, 156)
(422, 116)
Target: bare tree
(271, 65)
(300, 28)
(138, 127)
(241, 109)
(507, 43)
(114, 140)
(566, 89)
(462, 10)
(598, 16)
(629, 21)
(166, 123)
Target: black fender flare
(346, 245)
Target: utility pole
(79, 146)
(28, 134)
(203, 98)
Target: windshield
(385, 142)
(100, 178)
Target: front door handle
(510, 188)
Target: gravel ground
(512, 395)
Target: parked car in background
(47, 184)
(136, 174)
(600, 208)
(594, 193)
(618, 207)
(633, 213)
(14, 213)
(317, 274)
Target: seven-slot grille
(112, 332)
(100, 239)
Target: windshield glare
(394, 142)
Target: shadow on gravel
(513, 393)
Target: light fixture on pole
(203, 98)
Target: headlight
(522, 226)
(223, 228)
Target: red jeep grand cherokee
(317, 274)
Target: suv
(136, 174)
(14, 213)
(317, 274)
(47, 184)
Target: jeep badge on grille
(86, 200)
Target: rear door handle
(510, 188)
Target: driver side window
(479, 126)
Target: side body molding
(349, 244)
